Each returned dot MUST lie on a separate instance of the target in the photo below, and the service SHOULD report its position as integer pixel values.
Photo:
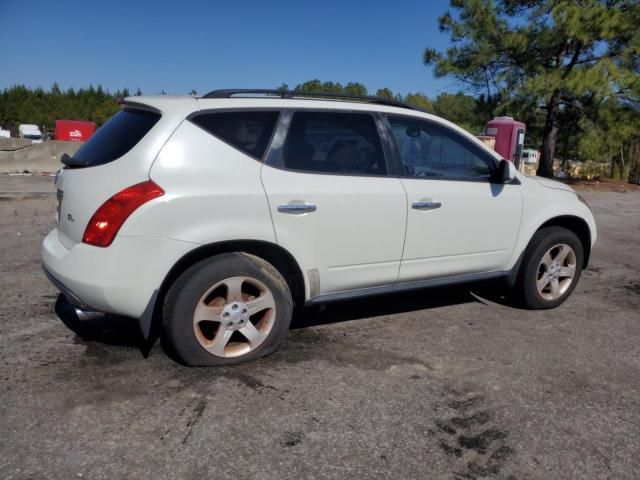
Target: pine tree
(547, 54)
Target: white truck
(530, 155)
(31, 132)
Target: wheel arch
(276, 255)
(571, 222)
(578, 226)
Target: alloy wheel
(234, 316)
(556, 271)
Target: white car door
(332, 204)
(458, 222)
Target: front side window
(248, 131)
(333, 142)
(433, 151)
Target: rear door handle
(426, 205)
(296, 208)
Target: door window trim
(274, 152)
(399, 166)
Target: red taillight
(108, 219)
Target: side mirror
(506, 171)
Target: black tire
(543, 240)
(185, 293)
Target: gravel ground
(432, 384)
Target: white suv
(220, 214)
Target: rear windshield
(116, 137)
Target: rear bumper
(121, 279)
(71, 297)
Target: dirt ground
(432, 384)
(603, 185)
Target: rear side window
(333, 142)
(248, 131)
(116, 137)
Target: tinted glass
(328, 142)
(116, 137)
(249, 132)
(432, 151)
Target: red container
(74, 130)
(509, 135)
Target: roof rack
(247, 92)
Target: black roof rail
(231, 92)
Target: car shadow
(113, 330)
(125, 332)
(379, 305)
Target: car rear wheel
(550, 269)
(227, 309)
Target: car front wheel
(550, 269)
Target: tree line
(20, 104)
(609, 134)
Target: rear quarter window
(116, 137)
(247, 131)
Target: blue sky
(177, 46)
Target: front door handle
(431, 205)
(296, 208)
